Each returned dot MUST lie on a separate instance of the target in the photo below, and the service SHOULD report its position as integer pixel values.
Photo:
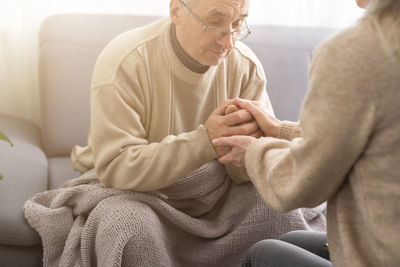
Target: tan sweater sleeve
(336, 122)
(124, 158)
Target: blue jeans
(296, 248)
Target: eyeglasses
(218, 32)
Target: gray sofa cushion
(24, 167)
(21, 256)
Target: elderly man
(154, 89)
(159, 94)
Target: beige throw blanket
(203, 220)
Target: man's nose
(227, 41)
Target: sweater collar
(186, 60)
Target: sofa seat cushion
(11, 256)
(24, 168)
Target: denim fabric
(297, 248)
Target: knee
(263, 246)
(262, 253)
(293, 237)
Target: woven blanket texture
(202, 220)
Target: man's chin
(216, 61)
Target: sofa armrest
(24, 168)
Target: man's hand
(268, 124)
(235, 122)
(233, 108)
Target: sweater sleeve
(124, 158)
(336, 121)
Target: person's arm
(123, 157)
(336, 121)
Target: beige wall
(19, 94)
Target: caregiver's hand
(238, 144)
(268, 124)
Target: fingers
(255, 108)
(222, 150)
(256, 111)
(215, 123)
(220, 110)
(235, 157)
(236, 101)
(239, 141)
(238, 117)
(257, 134)
(229, 158)
(224, 141)
(229, 119)
(239, 145)
(243, 129)
(231, 109)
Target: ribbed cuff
(289, 130)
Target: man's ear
(176, 12)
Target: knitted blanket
(202, 220)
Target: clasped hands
(235, 124)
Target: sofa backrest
(70, 44)
(69, 47)
(285, 53)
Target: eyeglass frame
(223, 33)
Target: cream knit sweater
(147, 110)
(348, 152)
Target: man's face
(203, 46)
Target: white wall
(20, 20)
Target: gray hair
(377, 11)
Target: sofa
(69, 46)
